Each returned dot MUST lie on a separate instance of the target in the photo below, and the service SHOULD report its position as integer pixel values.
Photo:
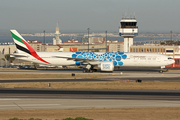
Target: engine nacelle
(107, 66)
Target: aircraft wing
(80, 60)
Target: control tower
(57, 40)
(128, 30)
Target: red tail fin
(71, 50)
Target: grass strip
(25, 76)
(98, 85)
(171, 113)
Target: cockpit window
(169, 58)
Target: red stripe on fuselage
(33, 52)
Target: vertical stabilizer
(23, 47)
(21, 44)
(71, 50)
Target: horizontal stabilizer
(18, 55)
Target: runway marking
(9, 99)
(28, 105)
(15, 97)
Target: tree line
(170, 42)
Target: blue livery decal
(78, 63)
(115, 57)
(106, 66)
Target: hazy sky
(77, 15)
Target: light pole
(44, 39)
(106, 40)
(171, 34)
(88, 38)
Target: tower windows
(128, 24)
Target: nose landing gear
(163, 70)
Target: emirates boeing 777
(90, 61)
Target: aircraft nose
(173, 61)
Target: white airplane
(70, 49)
(91, 61)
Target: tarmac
(26, 99)
(30, 99)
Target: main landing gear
(86, 70)
(89, 68)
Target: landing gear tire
(95, 70)
(84, 70)
(91, 71)
(161, 71)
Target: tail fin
(61, 50)
(71, 50)
(21, 44)
(23, 47)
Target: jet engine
(106, 66)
